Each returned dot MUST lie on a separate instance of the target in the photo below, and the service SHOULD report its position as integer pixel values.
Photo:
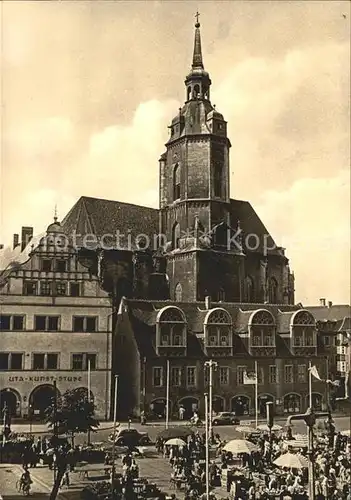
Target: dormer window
(218, 328)
(262, 329)
(302, 328)
(171, 327)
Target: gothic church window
(217, 180)
(249, 289)
(272, 291)
(175, 235)
(176, 183)
(196, 92)
(178, 292)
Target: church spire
(198, 80)
(197, 56)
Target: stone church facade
(200, 242)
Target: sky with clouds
(89, 88)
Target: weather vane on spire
(197, 15)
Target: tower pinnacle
(197, 56)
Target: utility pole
(167, 394)
(310, 419)
(210, 365)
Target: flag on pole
(336, 383)
(249, 378)
(314, 372)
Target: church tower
(194, 196)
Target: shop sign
(45, 379)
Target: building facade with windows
(160, 341)
(55, 323)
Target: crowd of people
(253, 475)
(242, 476)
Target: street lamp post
(310, 419)
(207, 439)
(114, 436)
(210, 365)
(30, 415)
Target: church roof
(251, 224)
(105, 217)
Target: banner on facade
(250, 378)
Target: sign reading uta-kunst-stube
(45, 379)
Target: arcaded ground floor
(27, 394)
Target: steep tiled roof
(251, 224)
(107, 217)
(332, 313)
(284, 320)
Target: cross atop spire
(197, 57)
(55, 213)
(197, 15)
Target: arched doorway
(292, 403)
(240, 405)
(158, 408)
(40, 399)
(317, 401)
(190, 405)
(218, 404)
(12, 400)
(262, 400)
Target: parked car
(133, 437)
(226, 418)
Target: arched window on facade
(188, 95)
(175, 235)
(218, 174)
(176, 182)
(262, 329)
(178, 292)
(272, 291)
(303, 329)
(249, 289)
(171, 326)
(218, 328)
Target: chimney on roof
(15, 241)
(208, 302)
(27, 235)
(330, 303)
(322, 302)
